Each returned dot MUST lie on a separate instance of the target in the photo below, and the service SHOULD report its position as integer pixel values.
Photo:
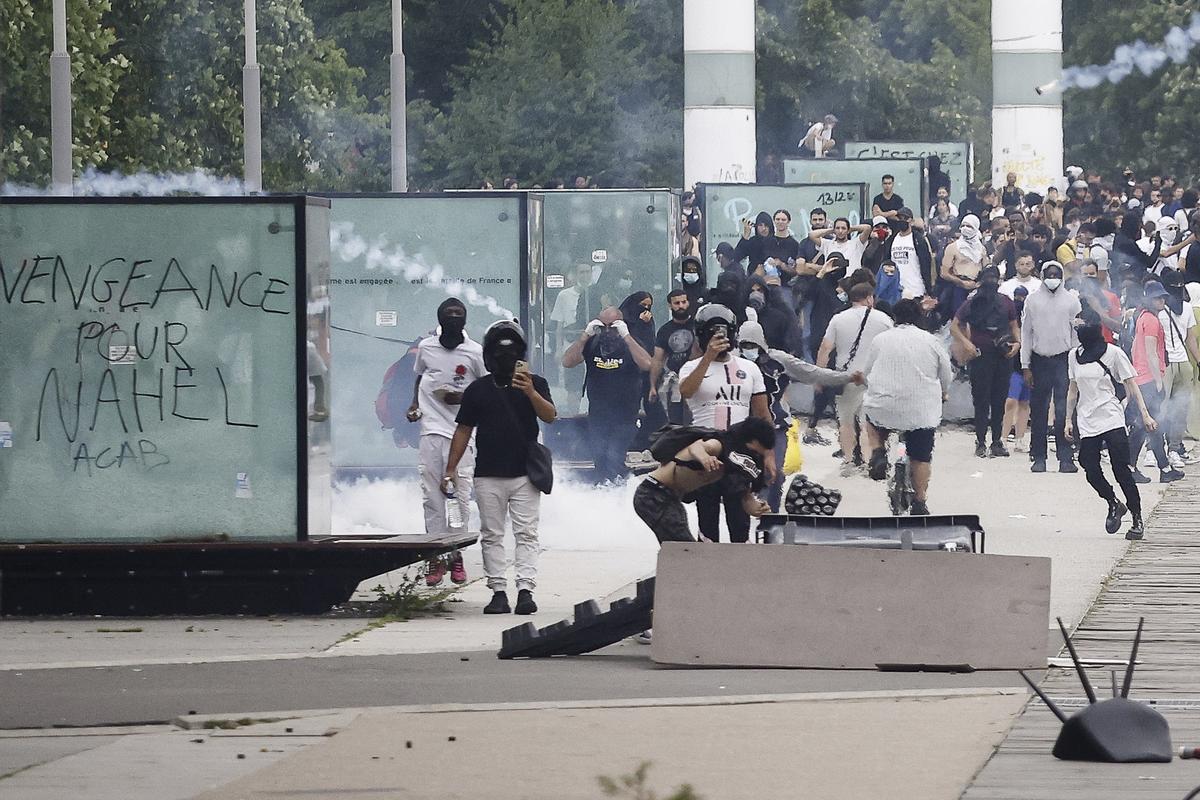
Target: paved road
(125, 695)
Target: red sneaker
(458, 573)
(434, 572)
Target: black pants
(1138, 435)
(1050, 379)
(655, 417)
(708, 508)
(658, 507)
(1117, 442)
(990, 374)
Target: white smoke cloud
(93, 183)
(348, 246)
(1147, 58)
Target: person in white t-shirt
(1024, 277)
(1096, 369)
(1179, 335)
(446, 365)
(851, 247)
(721, 390)
(1153, 211)
(819, 139)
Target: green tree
(96, 70)
(1144, 122)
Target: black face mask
(452, 331)
(903, 225)
(504, 364)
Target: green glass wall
(393, 260)
(957, 159)
(149, 373)
(909, 174)
(725, 205)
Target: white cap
(879, 219)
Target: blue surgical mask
(690, 277)
(750, 353)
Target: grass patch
(400, 604)
(634, 787)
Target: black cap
(905, 212)
(725, 249)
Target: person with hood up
(754, 241)
(986, 325)
(691, 279)
(446, 364)
(1128, 260)
(1101, 376)
(502, 410)
(730, 292)
(774, 314)
(961, 262)
(1166, 240)
(1047, 334)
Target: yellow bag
(793, 458)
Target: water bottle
(454, 514)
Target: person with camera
(502, 410)
(1101, 378)
(721, 390)
(985, 328)
(445, 366)
(1047, 334)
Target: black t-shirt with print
(675, 338)
(500, 445)
(613, 378)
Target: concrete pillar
(252, 105)
(399, 120)
(719, 143)
(1027, 125)
(61, 168)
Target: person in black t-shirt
(614, 362)
(672, 349)
(888, 204)
(502, 409)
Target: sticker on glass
(122, 354)
(385, 319)
(599, 256)
(242, 486)
(6, 439)
(556, 281)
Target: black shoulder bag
(1118, 387)
(853, 350)
(539, 464)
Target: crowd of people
(1074, 318)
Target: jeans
(708, 509)
(608, 440)
(1117, 442)
(658, 507)
(498, 499)
(990, 374)
(1049, 379)
(775, 490)
(1138, 435)
(434, 451)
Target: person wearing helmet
(502, 409)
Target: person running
(1149, 356)
(1099, 372)
(733, 458)
(908, 376)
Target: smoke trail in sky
(142, 184)
(1142, 56)
(348, 246)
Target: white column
(61, 169)
(719, 144)
(252, 105)
(1027, 124)
(399, 115)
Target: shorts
(919, 443)
(849, 403)
(662, 510)
(1019, 390)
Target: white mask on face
(690, 277)
(1169, 235)
(750, 353)
(1052, 283)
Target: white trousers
(498, 499)
(435, 451)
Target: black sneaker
(998, 450)
(1140, 477)
(1067, 466)
(1113, 521)
(1137, 530)
(1169, 475)
(813, 436)
(877, 466)
(498, 605)
(1039, 465)
(918, 509)
(525, 604)
(980, 450)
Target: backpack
(668, 440)
(395, 395)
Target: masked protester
(691, 278)
(961, 263)
(1149, 355)
(986, 327)
(614, 363)
(446, 365)
(672, 349)
(721, 390)
(502, 410)
(1047, 334)
(637, 310)
(1179, 333)
(1016, 406)
(1100, 376)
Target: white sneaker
(1192, 457)
(1149, 460)
(645, 637)
(1175, 460)
(1020, 446)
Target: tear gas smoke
(142, 184)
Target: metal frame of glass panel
(875, 169)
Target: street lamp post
(399, 119)
(61, 170)
(252, 105)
